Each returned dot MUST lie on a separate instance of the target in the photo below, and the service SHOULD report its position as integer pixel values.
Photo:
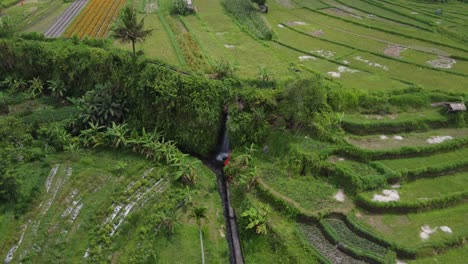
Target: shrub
(224, 69)
(304, 107)
(249, 17)
(180, 7)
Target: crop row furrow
(65, 19)
(95, 20)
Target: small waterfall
(216, 164)
(224, 146)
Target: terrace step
(337, 231)
(328, 250)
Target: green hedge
(403, 152)
(421, 124)
(185, 108)
(411, 206)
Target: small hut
(455, 107)
(190, 5)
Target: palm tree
(128, 29)
(186, 173)
(199, 213)
(169, 222)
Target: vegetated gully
(216, 164)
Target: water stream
(217, 166)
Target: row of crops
(95, 19)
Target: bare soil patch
(306, 57)
(442, 62)
(341, 70)
(394, 50)
(296, 23)
(317, 33)
(341, 12)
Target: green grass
(429, 188)
(184, 245)
(99, 185)
(374, 142)
(46, 21)
(384, 13)
(283, 243)
(428, 114)
(310, 193)
(405, 229)
(428, 78)
(365, 172)
(384, 26)
(28, 14)
(452, 256)
(157, 45)
(348, 28)
(431, 161)
(215, 29)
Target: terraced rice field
(368, 45)
(95, 20)
(459, 155)
(349, 238)
(380, 142)
(424, 189)
(407, 230)
(319, 241)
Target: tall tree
(199, 213)
(128, 28)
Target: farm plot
(320, 56)
(424, 189)
(218, 32)
(380, 47)
(159, 37)
(310, 193)
(74, 193)
(315, 236)
(348, 27)
(357, 80)
(95, 20)
(349, 238)
(23, 16)
(454, 256)
(459, 156)
(407, 32)
(393, 123)
(57, 29)
(378, 142)
(379, 12)
(428, 78)
(419, 229)
(363, 170)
